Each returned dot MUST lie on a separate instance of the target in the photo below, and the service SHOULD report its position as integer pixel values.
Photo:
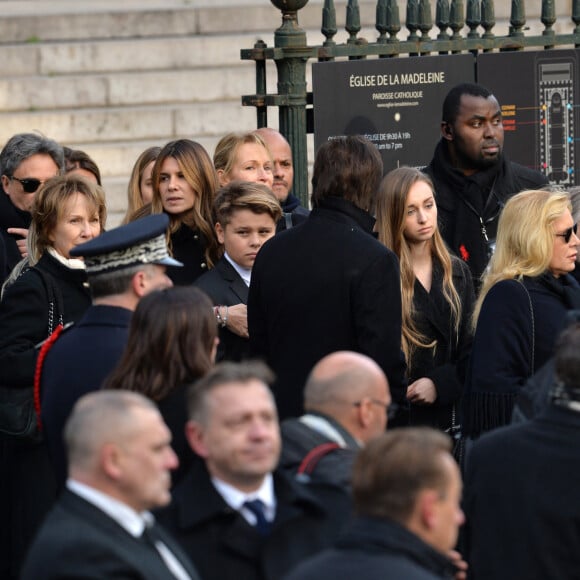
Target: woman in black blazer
(437, 298)
(67, 211)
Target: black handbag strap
(55, 300)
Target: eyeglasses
(29, 184)
(568, 233)
(390, 408)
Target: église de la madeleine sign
(396, 103)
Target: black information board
(395, 102)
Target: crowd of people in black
(230, 385)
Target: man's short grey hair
(98, 418)
(24, 145)
(113, 283)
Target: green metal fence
(291, 52)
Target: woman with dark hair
(184, 185)
(437, 298)
(79, 162)
(172, 342)
(69, 210)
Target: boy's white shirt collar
(245, 274)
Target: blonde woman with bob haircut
(243, 157)
(67, 211)
(437, 297)
(521, 310)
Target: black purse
(19, 416)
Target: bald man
(120, 459)
(292, 212)
(346, 403)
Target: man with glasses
(27, 161)
(347, 403)
(473, 177)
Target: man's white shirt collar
(130, 520)
(236, 498)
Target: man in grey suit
(120, 459)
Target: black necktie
(154, 539)
(256, 506)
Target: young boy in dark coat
(245, 216)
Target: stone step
(117, 159)
(98, 56)
(126, 89)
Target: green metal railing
(291, 52)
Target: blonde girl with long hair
(437, 297)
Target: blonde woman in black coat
(67, 211)
(437, 297)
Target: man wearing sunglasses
(27, 161)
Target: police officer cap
(140, 242)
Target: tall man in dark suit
(473, 177)
(235, 515)
(521, 486)
(122, 265)
(120, 459)
(328, 284)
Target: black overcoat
(462, 201)
(520, 500)
(78, 540)
(445, 364)
(513, 339)
(224, 546)
(376, 549)
(27, 485)
(323, 286)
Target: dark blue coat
(77, 364)
(225, 287)
(292, 214)
(521, 500)
(376, 549)
(512, 341)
